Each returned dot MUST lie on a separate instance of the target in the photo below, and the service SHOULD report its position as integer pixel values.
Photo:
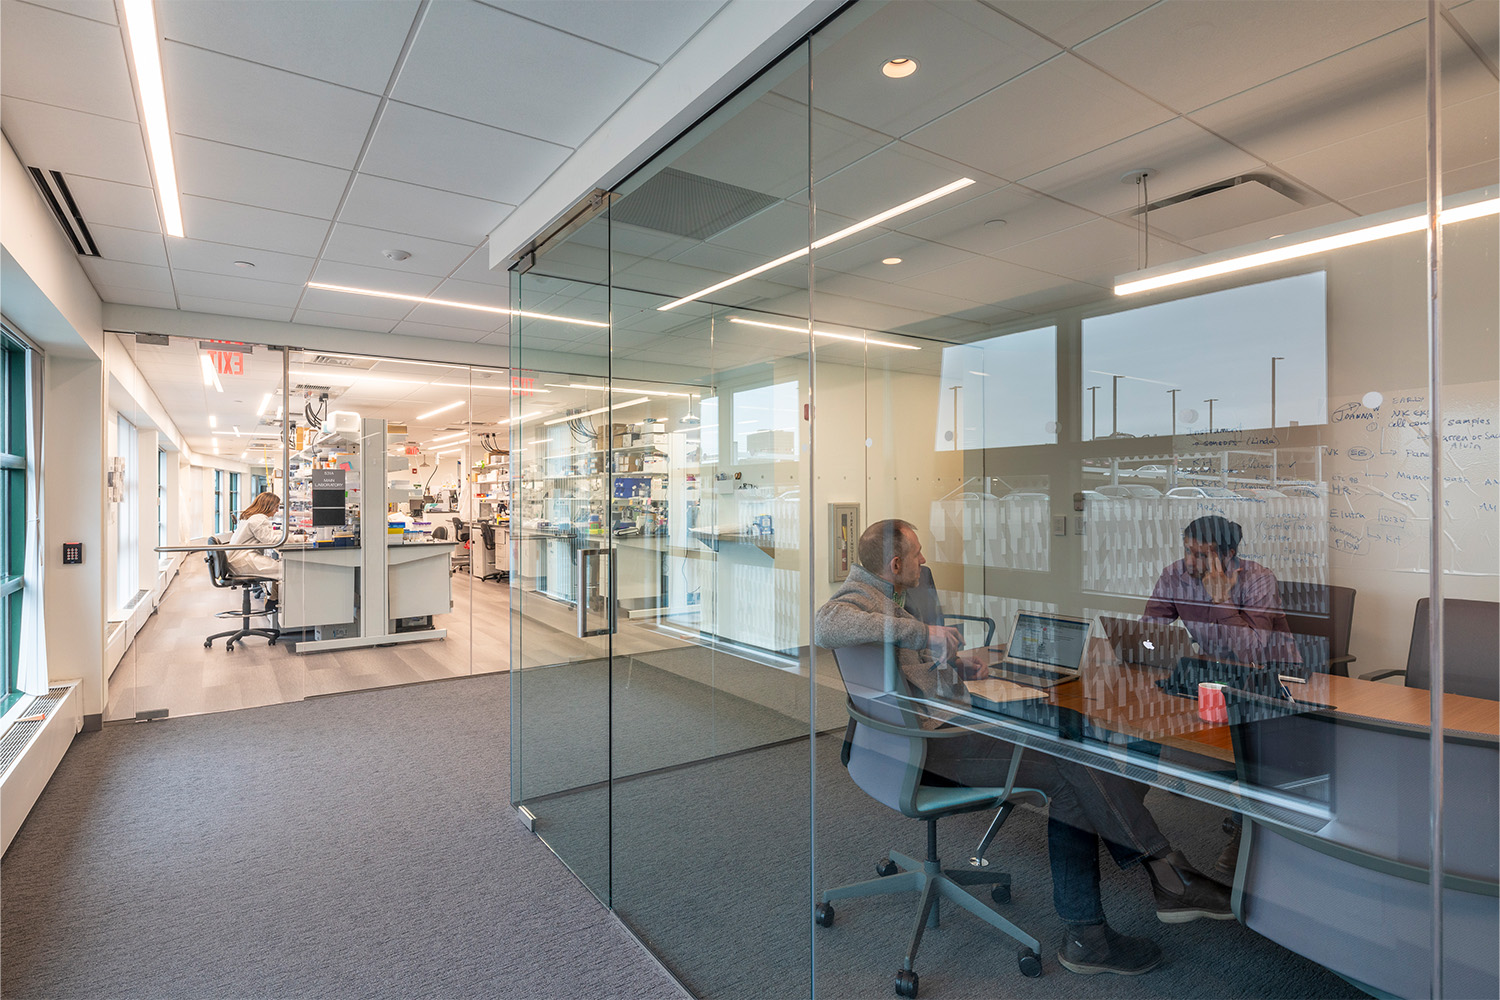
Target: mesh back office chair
(1320, 618)
(487, 539)
(922, 601)
(1471, 649)
(1353, 892)
(886, 758)
(222, 575)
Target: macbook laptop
(1044, 649)
(1147, 644)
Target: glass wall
(1072, 381)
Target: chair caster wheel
(1030, 962)
(208, 643)
(885, 868)
(823, 915)
(271, 642)
(906, 983)
(1000, 894)
(229, 646)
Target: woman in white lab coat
(255, 526)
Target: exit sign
(227, 362)
(522, 385)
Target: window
(234, 497)
(161, 497)
(127, 520)
(218, 501)
(13, 498)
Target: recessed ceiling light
(440, 409)
(891, 260)
(243, 263)
(145, 55)
(899, 67)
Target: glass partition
(1041, 395)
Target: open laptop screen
(1049, 641)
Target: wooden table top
(1125, 699)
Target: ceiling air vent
(341, 361)
(690, 205)
(1226, 205)
(60, 200)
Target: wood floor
(168, 668)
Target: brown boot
(1183, 893)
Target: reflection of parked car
(1261, 493)
(1136, 490)
(1203, 492)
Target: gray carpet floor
(361, 845)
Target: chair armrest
(1341, 659)
(988, 623)
(1377, 675)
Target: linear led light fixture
(856, 338)
(447, 437)
(873, 220)
(476, 307)
(145, 55)
(265, 402)
(447, 451)
(440, 409)
(210, 373)
(213, 421)
(621, 389)
(590, 413)
(1393, 223)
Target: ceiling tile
(351, 44)
(1083, 252)
(440, 151)
(886, 180)
(648, 29)
(463, 319)
(94, 79)
(1347, 95)
(344, 304)
(136, 297)
(1070, 23)
(1181, 157)
(1294, 222)
(236, 289)
(376, 278)
(261, 228)
(435, 331)
(344, 321)
(962, 51)
(219, 258)
(453, 67)
(1219, 49)
(917, 257)
(129, 245)
(477, 269)
(360, 245)
(984, 279)
(290, 115)
(1019, 214)
(109, 203)
(76, 143)
(225, 307)
(123, 274)
(102, 11)
(249, 177)
(422, 211)
(1059, 110)
(478, 293)
(1481, 19)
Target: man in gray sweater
(1087, 804)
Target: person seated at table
(255, 526)
(1087, 804)
(1228, 604)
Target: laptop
(1044, 649)
(1147, 644)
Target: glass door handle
(602, 586)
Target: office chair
(922, 601)
(222, 576)
(1320, 618)
(440, 534)
(886, 759)
(1471, 648)
(1351, 889)
(461, 552)
(487, 538)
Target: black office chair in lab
(461, 552)
(1471, 648)
(223, 576)
(922, 601)
(487, 539)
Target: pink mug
(1211, 704)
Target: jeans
(1087, 805)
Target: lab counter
(321, 591)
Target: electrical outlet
(1059, 525)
